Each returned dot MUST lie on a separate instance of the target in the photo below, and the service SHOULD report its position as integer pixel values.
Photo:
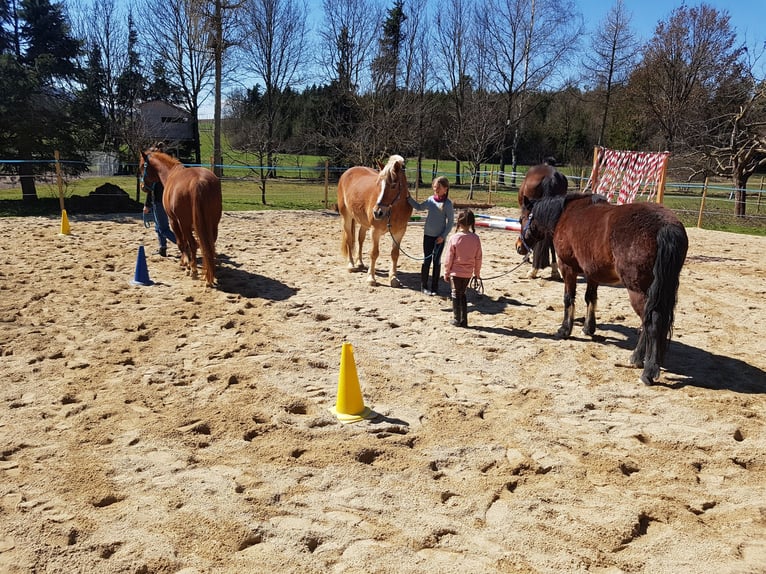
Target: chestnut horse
(641, 246)
(377, 200)
(193, 202)
(543, 180)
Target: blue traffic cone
(141, 276)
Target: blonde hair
(441, 181)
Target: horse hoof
(395, 282)
(646, 380)
(532, 274)
(556, 276)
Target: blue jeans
(161, 225)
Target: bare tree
(688, 58)
(101, 23)
(180, 34)
(611, 58)
(348, 39)
(455, 58)
(529, 43)
(275, 50)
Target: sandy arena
(174, 429)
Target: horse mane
(547, 211)
(165, 159)
(393, 162)
(552, 183)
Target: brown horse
(193, 202)
(543, 180)
(641, 246)
(376, 200)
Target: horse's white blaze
(382, 192)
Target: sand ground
(170, 428)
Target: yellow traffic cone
(349, 406)
(64, 223)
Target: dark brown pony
(193, 202)
(639, 245)
(377, 200)
(543, 180)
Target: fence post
(326, 180)
(59, 181)
(760, 193)
(702, 204)
(489, 186)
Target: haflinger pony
(543, 180)
(377, 200)
(192, 199)
(641, 246)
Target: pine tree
(38, 70)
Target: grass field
(305, 182)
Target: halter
(396, 198)
(523, 232)
(143, 175)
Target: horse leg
(532, 273)
(570, 290)
(591, 297)
(645, 354)
(193, 255)
(374, 252)
(347, 245)
(392, 278)
(555, 275)
(361, 235)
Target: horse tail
(659, 310)
(207, 215)
(343, 209)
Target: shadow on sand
(233, 279)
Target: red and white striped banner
(628, 174)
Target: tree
(347, 41)
(685, 62)
(528, 42)
(274, 49)
(611, 58)
(733, 142)
(106, 31)
(181, 36)
(385, 66)
(38, 68)
(456, 59)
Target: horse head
(393, 187)
(149, 174)
(528, 234)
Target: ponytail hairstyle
(467, 218)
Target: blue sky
(748, 17)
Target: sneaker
(427, 292)
(162, 252)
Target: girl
(463, 262)
(439, 220)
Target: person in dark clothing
(153, 203)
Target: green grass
(301, 185)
